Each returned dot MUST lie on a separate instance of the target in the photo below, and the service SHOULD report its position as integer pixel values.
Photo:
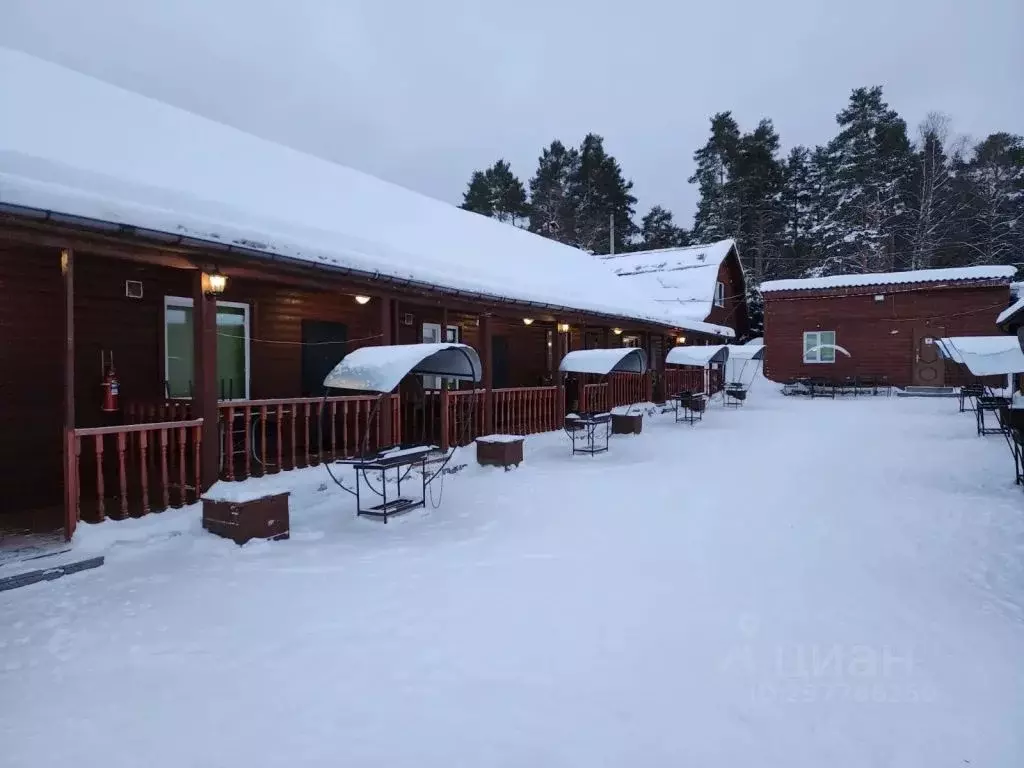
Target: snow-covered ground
(796, 583)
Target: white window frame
(719, 294)
(431, 383)
(182, 301)
(817, 353)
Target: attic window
(719, 294)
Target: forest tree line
(875, 198)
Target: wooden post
(385, 415)
(67, 270)
(204, 402)
(487, 342)
(444, 415)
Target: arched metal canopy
(698, 356)
(605, 361)
(984, 355)
(746, 351)
(381, 369)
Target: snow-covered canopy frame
(743, 358)
(605, 361)
(984, 355)
(698, 356)
(381, 369)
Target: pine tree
(600, 193)
(991, 185)
(756, 180)
(498, 193)
(658, 230)
(799, 207)
(477, 197)
(718, 209)
(931, 203)
(869, 164)
(551, 206)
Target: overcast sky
(421, 92)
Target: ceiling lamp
(617, 331)
(527, 321)
(214, 283)
(362, 299)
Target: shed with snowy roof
(889, 323)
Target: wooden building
(879, 325)
(701, 284)
(218, 277)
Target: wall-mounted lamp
(680, 339)
(617, 331)
(527, 321)
(563, 327)
(362, 299)
(214, 283)
(879, 297)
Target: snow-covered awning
(381, 369)
(605, 361)
(1010, 311)
(984, 355)
(746, 351)
(699, 356)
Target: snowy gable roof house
(879, 325)
(158, 268)
(696, 283)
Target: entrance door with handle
(929, 366)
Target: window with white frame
(819, 346)
(432, 335)
(719, 294)
(232, 348)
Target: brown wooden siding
(31, 377)
(734, 313)
(878, 335)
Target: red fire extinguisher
(111, 386)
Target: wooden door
(499, 362)
(929, 367)
(323, 346)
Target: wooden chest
(240, 521)
(503, 452)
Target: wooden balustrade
(132, 469)
(595, 398)
(153, 413)
(259, 437)
(526, 410)
(677, 380)
(628, 388)
(466, 415)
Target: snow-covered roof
(746, 351)
(984, 355)
(699, 356)
(119, 157)
(605, 361)
(1011, 310)
(955, 274)
(381, 369)
(681, 279)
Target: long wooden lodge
(173, 291)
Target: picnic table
(588, 429)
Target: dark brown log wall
(31, 379)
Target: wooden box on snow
(499, 450)
(627, 424)
(260, 518)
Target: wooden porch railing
(132, 469)
(629, 388)
(691, 379)
(259, 437)
(526, 410)
(466, 415)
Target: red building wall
(880, 335)
(734, 313)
